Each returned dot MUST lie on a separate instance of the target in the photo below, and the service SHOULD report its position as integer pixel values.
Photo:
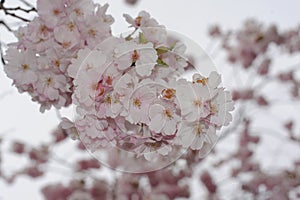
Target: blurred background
(266, 119)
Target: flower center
(137, 103)
(43, 29)
(135, 56)
(57, 63)
(213, 108)
(66, 44)
(25, 67)
(168, 113)
(78, 11)
(49, 81)
(97, 87)
(198, 129)
(56, 12)
(108, 81)
(138, 21)
(203, 81)
(108, 100)
(168, 93)
(92, 32)
(197, 103)
(71, 26)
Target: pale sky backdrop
(20, 118)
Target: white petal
(157, 123)
(214, 80)
(155, 110)
(197, 143)
(170, 127)
(186, 135)
(144, 69)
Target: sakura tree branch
(5, 25)
(21, 9)
(27, 4)
(1, 54)
(11, 11)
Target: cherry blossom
(21, 66)
(163, 119)
(197, 135)
(169, 121)
(140, 103)
(128, 90)
(47, 45)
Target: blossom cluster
(129, 91)
(164, 186)
(38, 62)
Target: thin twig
(10, 11)
(5, 25)
(22, 9)
(27, 4)
(16, 16)
(1, 54)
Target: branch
(22, 9)
(5, 25)
(28, 4)
(1, 53)
(10, 11)
(15, 16)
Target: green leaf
(162, 50)
(162, 63)
(142, 38)
(128, 38)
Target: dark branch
(5, 25)
(22, 9)
(16, 16)
(1, 54)
(28, 4)
(10, 11)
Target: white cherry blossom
(21, 66)
(196, 134)
(163, 119)
(139, 105)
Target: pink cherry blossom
(197, 136)
(21, 66)
(139, 104)
(163, 119)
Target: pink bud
(235, 95)
(59, 135)
(33, 172)
(18, 147)
(56, 191)
(39, 155)
(295, 91)
(88, 164)
(214, 31)
(263, 68)
(208, 182)
(254, 139)
(289, 76)
(247, 57)
(289, 125)
(261, 101)
(81, 146)
(131, 2)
